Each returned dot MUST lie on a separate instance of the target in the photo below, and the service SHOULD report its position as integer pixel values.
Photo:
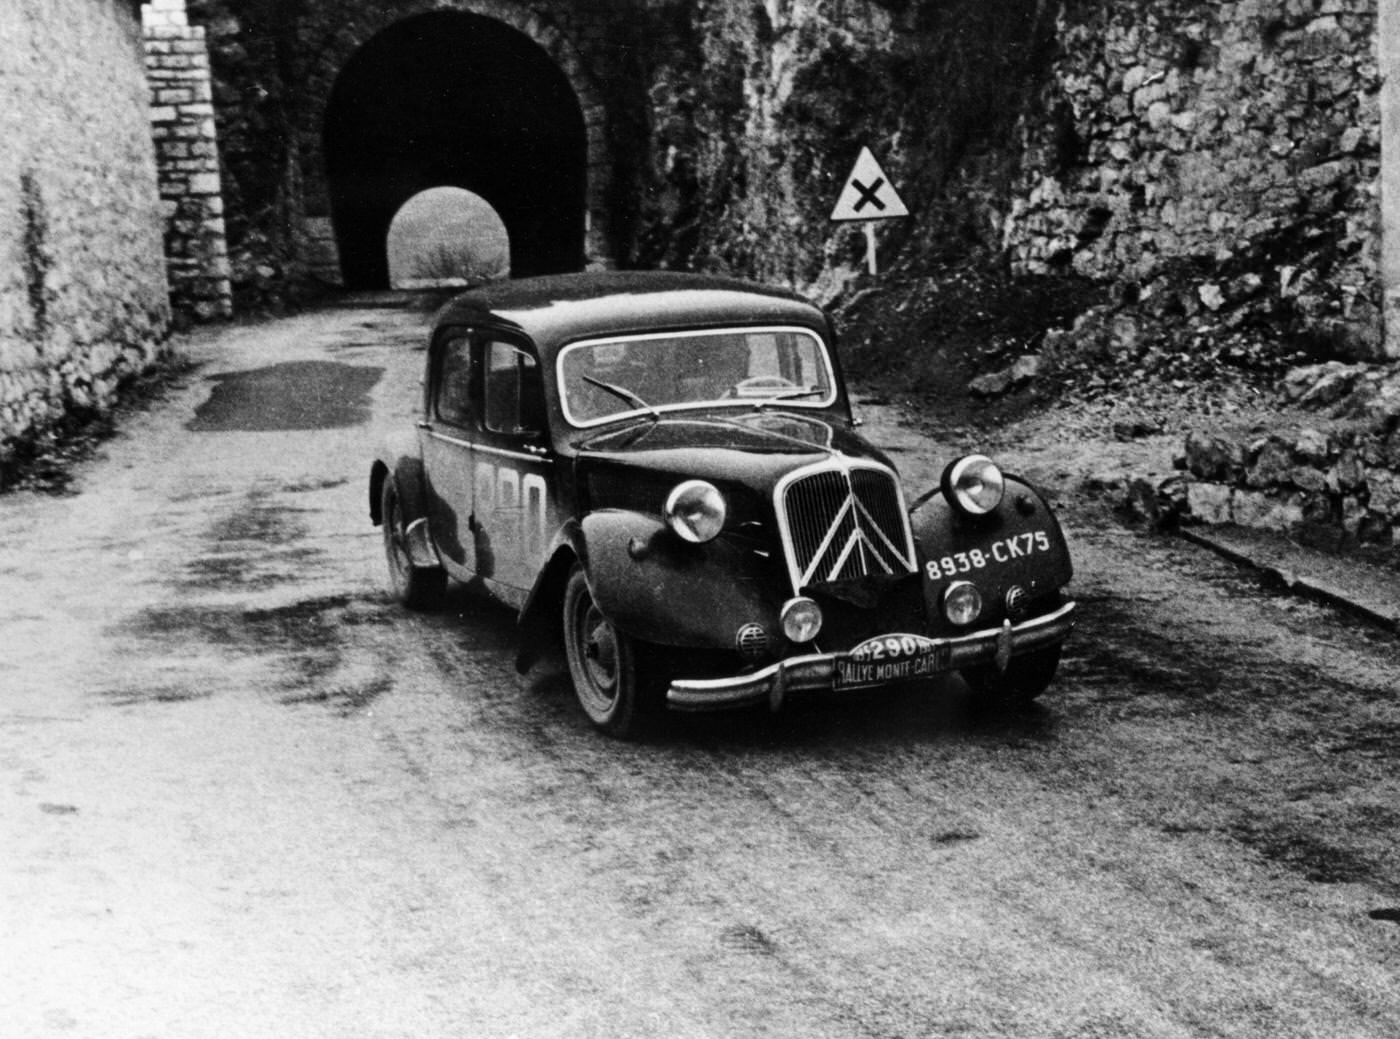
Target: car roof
(555, 309)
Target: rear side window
(453, 403)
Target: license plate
(890, 658)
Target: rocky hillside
(1190, 185)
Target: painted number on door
(513, 506)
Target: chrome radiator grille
(843, 520)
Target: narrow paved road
(247, 796)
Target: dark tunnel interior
(455, 99)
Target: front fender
(661, 589)
(1019, 545)
(538, 626)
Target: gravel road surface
(246, 795)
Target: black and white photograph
(700, 519)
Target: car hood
(752, 449)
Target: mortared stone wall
(83, 295)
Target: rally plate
(890, 658)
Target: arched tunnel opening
(451, 99)
(446, 237)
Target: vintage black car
(662, 469)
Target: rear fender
(399, 459)
(1019, 545)
(399, 455)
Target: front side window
(604, 379)
(514, 390)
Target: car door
(512, 464)
(452, 419)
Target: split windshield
(604, 379)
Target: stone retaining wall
(1218, 161)
(1339, 471)
(187, 156)
(83, 296)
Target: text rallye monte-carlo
(663, 469)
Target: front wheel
(615, 691)
(417, 587)
(1026, 677)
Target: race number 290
(1004, 551)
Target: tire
(417, 587)
(1026, 677)
(615, 688)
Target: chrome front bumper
(818, 670)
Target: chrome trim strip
(820, 552)
(856, 538)
(501, 452)
(451, 440)
(818, 670)
(875, 526)
(486, 449)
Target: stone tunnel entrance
(452, 99)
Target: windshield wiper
(788, 395)
(623, 393)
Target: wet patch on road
(1316, 859)
(1376, 740)
(1127, 657)
(252, 548)
(343, 699)
(308, 623)
(294, 395)
(311, 659)
(262, 521)
(135, 693)
(418, 341)
(747, 939)
(949, 838)
(303, 486)
(235, 570)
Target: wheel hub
(600, 650)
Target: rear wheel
(1026, 677)
(417, 587)
(616, 689)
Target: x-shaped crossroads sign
(868, 193)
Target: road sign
(868, 194)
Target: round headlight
(802, 619)
(962, 603)
(974, 484)
(695, 510)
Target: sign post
(868, 196)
